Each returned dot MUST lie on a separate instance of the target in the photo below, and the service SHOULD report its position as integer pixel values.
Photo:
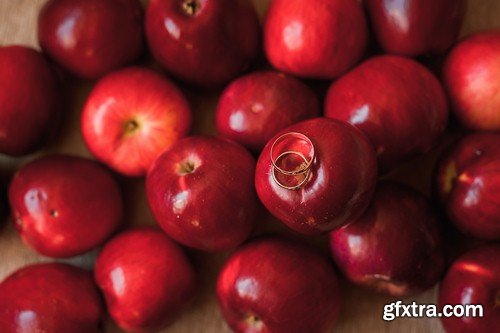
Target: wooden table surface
(362, 310)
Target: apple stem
(451, 174)
(191, 7)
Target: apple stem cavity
(131, 126)
(191, 7)
(186, 168)
(254, 321)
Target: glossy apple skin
(318, 39)
(52, 297)
(474, 278)
(131, 117)
(65, 205)
(468, 185)
(135, 273)
(403, 117)
(91, 38)
(28, 98)
(276, 285)
(255, 107)
(341, 186)
(471, 75)
(416, 27)
(395, 247)
(207, 48)
(201, 193)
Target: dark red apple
(55, 298)
(65, 205)
(146, 279)
(91, 38)
(201, 193)
(468, 184)
(416, 27)
(316, 175)
(276, 285)
(255, 107)
(317, 38)
(472, 78)
(474, 278)
(396, 102)
(28, 100)
(131, 117)
(203, 42)
(395, 247)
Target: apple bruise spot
(54, 213)
(191, 7)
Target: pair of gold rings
(297, 144)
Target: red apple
(131, 117)
(146, 279)
(395, 247)
(474, 278)
(255, 107)
(404, 116)
(276, 285)
(468, 184)
(416, 27)
(316, 39)
(28, 100)
(90, 38)
(203, 42)
(201, 193)
(472, 78)
(55, 298)
(65, 205)
(316, 175)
